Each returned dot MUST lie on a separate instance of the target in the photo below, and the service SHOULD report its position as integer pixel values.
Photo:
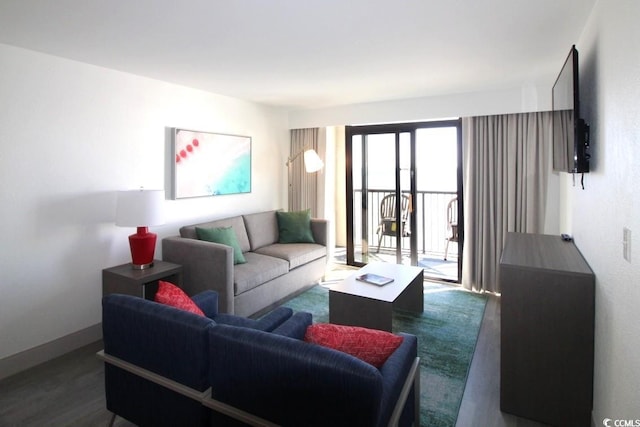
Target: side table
(123, 279)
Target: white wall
(73, 134)
(517, 100)
(610, 96)
(340, 179)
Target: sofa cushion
(189, 231)
(170, 294)
(294, 227)
(258, 270)
(262, 229)
(296, 254)
(370, 345)
(225, 236)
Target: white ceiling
(309, 53)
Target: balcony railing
(431, 214)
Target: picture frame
(209, 164)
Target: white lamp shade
(312, 162)
(140, 208)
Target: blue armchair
(289, 382)
(147, 344)
(168, 367)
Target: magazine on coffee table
(374, 279)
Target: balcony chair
(452, 224)
(388, 223)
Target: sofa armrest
(205, 266)
(320, 231)
(207, 301)
(299, 383)
(266, 323)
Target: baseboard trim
(34, 356)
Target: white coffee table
(352, 302)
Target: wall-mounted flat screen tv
(570, 132)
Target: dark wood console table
(547, 324)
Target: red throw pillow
(369, 345)
(170, 294)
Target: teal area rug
(447, 332)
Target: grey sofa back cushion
(262, 229)
(189, 231)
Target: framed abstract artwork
(209, 164)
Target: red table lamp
(141, 209)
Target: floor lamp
(312, 163)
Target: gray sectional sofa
(272, 270)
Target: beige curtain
(304, 187)
(505, 168)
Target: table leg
(412, 298)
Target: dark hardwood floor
(69, 391)
(481, 400)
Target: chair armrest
(205, 266)
(267, 323)
(394, 373)
(202, 397)
(274, 319)
(207, 301)
(296, 326)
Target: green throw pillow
(224, 236)
(295, 227)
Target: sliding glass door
(401, 180)
(381, 184)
